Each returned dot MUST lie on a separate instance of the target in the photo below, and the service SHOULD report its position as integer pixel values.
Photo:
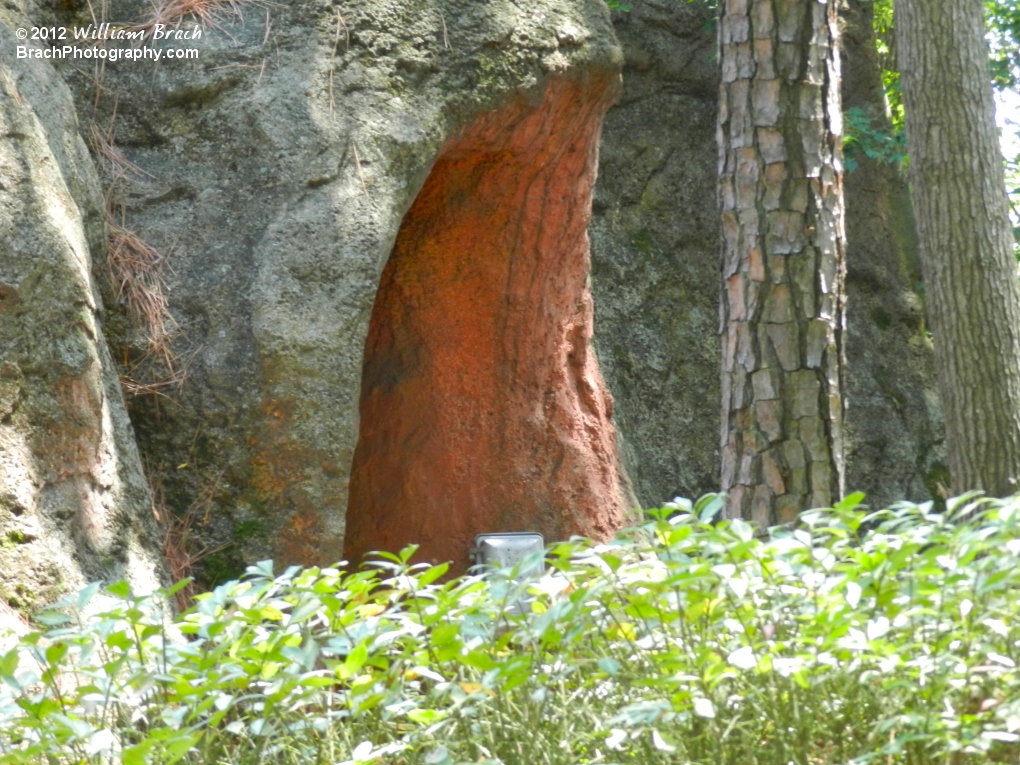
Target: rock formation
(373, 218)
(656, 249)
(74, 504)
(895, 431)
(312, 153)
(655, 255)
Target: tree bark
(960, 199)
(782, 314)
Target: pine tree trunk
(970, 275)
(782, 309)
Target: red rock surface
(482, 407)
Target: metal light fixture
(521, 549)
(509, 550)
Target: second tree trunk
(970, 274)
(782, 312)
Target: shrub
(888, 638)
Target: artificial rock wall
(655, 251)
(74, 503)
(313, 152)
(655, 273)
(374, 218)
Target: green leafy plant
(850, 638)
(1002, 18)
(862, 139)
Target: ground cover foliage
(852, 638)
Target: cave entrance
(482, 405)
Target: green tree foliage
(1002, 19)
(863, 138)
(886, 41)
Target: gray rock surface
(74, 504)
(279, 166)
(655, 251)
(274, 172)
(895, 430)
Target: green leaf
(709, 507)
(438, 756)
(478, 660)
(428, 577)
(138, 754)
(609, 666)
(176, 749)
(851, 501)
(56, 652)
(85, 596)
(355, 659)
(52, 618)
(119, 589)
(169, 592)
(304, 610)
(425, 716)
(263, 569)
